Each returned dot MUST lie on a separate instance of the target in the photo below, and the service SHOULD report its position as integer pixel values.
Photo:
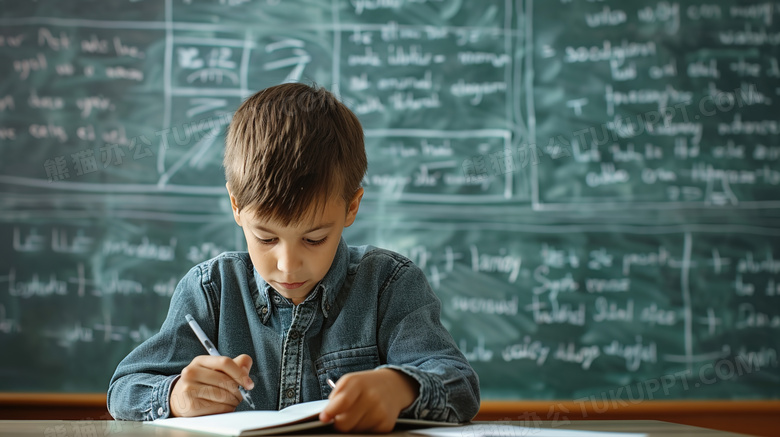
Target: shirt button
(277, 299)
(294, 335)
(160, 411)
(290, 393)
(264, 310)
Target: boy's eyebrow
(316, 228)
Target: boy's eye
(309, 241)
(315, 242)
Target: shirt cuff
(431, 402)
(161, 398)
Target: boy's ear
(233, 205)
(354, 205)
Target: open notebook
(254, 423)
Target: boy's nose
(288, 261)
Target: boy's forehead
(320, 214)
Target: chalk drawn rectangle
(427, 165)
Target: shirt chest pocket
(334, 365)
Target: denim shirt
(374, 308)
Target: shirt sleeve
(417, 344)
(140, 388)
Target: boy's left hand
(369, 401)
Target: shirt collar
(262, 298)
(333, 282)
(330, 285)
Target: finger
(218, 394)
(193, 398)
(341, 401)
(363, 414)
(244, 361)
(229, 367)
(199, 378)
(347, 420)
(196, 407)
(225, 365)
(201, 407)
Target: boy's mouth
(291, 285)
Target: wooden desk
(101, 428)
(755, 418)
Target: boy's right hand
(209, 385)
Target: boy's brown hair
(289, 149)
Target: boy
(301, 307)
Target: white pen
(212, 350)
(331, 383)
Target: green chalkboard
(592, 188)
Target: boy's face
(293, 259)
